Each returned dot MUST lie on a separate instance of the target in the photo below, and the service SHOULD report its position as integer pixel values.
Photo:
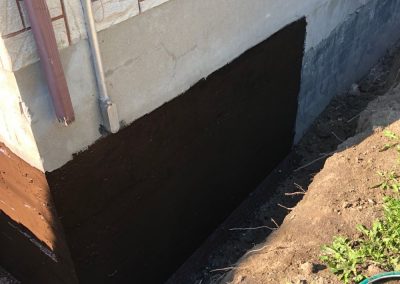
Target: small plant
(391, 135)
(395, 141)
(379, 245)
(343, 259)
(389, 181)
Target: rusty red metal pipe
(46, 44)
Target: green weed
(378, 245)
(389, 181)
(394, 138)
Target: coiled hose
(382, 276)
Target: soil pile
(341, 196)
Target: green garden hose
(382, 276)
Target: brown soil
(346, 178)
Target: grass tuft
(378, 245)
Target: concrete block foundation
(345, 56)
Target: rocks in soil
(323, 131)
(7, 278)
(307, 268)
(354, 90)
(346, 205)
(373, 270)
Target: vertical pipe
(108, 109)
(46, 44)
(94, 45)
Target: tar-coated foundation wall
(184, 166)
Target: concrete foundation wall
(153, 57)
(56, 142)
(15, 127)
(345, 56)
(184, 166)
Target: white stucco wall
(18, 47)
(17, 41)
(15, 128)
(154, 56)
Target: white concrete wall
(55, 141)
(15, 128)
(17, 46)
(155, 56)
(345, 57)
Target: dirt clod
(346, 205)
(373, 270)
(307, 267)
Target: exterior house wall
(339, 60)
(15, 121)
(153, 54)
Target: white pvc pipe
(108, 109)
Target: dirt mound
(340, 197)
